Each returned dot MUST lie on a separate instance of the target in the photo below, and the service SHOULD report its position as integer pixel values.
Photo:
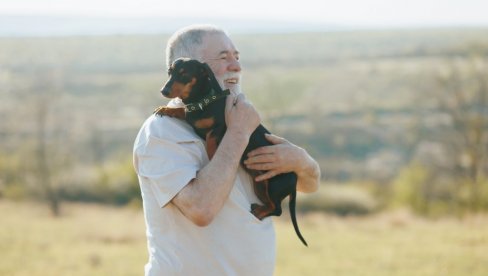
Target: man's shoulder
(165, 127)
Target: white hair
(187, 42)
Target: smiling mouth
(232, 81)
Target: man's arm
(283, 157)
(205, 195)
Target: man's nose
(234, 65)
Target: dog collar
(212, 97)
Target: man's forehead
(217, 44)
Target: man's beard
(234, 88)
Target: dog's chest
(212, 117)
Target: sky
(371, 13)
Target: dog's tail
(293, 200)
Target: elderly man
(197, 211)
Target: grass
(100, 240)
(386, 244)
(86, 240)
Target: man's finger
(262, 166)
(267, 175)
(275, 139)
(240, 98)
(261, 150)
(262, 158)
(229, 101)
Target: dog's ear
(211, 77)
(207, 70)
(175, 64)
(204, 71)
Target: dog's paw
(259, 211)
(178, 112)
(254, 206)
(159, 111)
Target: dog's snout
(165, 91)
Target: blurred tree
(463, 97)
(46, 90)
(44, 171)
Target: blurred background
(390, 97)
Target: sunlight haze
(376, 13)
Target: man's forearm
(205, 195)
(309, 176)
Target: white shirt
(167, 155)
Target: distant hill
(18, 26)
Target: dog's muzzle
(165, 91)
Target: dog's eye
(185, 78)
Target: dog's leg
(263, 211)
(261, 190)
(212, 144)
(178, 112)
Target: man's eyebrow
(226, 52)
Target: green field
(100, 240)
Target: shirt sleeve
(167, 166)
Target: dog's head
(186, 78)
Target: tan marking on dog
(205, 123)
(211, 145)
(186, 89)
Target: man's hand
(240, 115)
(284, 157)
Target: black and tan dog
(195, 84)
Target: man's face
(220, 54)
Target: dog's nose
(165, 91)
